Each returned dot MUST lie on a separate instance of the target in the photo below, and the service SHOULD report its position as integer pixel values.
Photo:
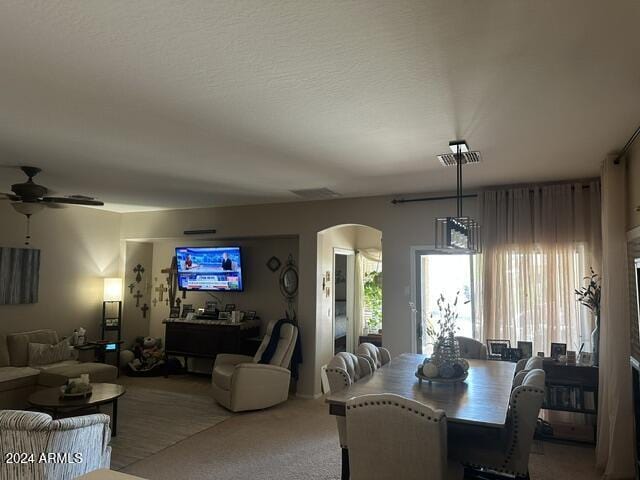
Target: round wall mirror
(289, 280)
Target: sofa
(19, 379)
(82, 443)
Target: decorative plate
(440, 379)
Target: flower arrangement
(589, 295)
(445, 363)
(445, 325)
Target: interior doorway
(343, 301)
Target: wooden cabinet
(571, 400)
(207, 340)
(374, 338)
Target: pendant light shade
(458, 234)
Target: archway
(349, 288)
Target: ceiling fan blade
(54, 205)
(9, 196)
(73, 201)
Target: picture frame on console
(527, 349)
(558, 349)
(495, 347)
(250, 315)
(224, 315)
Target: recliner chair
(240, 383)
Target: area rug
(152, 420)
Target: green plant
(589, 295)
(373, 298)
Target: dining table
(480, 401)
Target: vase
(595, 343)
(446, 351)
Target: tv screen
(214, 269)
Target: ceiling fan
(29, 198)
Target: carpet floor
(151, 420)
(295, 440)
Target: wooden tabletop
(101, 393)
(482, 399)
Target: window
(442, 274)
(372, 286)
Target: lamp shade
(112, 289)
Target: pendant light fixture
(458, 234)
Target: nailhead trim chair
(508, 454)
(377, 356)
(524, 366)
(240, 383)
(393, 437)
(37, 433)
(472, 349)
(343, 370)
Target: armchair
(82, 442)
(240, 383)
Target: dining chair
(471, 348)
(393, 437)
(343, 370)
(378, 356)
(508, 453)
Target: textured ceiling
(152, 104)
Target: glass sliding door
(442, 274)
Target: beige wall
(262, 287)
(402, 226)
(633, 187)
(78, 247)
(134, 323)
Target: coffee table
(50, 400)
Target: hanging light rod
(627, 146)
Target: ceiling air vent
(315, 193)
(449, 159)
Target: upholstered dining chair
(343, 370)
(33, 433)
(393, 437)
(508, 453)
(524, 366)
(378, 356)
(240, 382)
(472, 349)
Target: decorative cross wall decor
(172, 280)
(178, 302)
(130, 287)
(138, 270)
(161, 289)
(154, 302)
(138, 296)
(144, 309)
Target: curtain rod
(627, 146)
(396, 201)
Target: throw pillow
(44, 353)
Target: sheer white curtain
(362, 257)
(614, 450)
(538, 244)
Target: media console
(208, 338)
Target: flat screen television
(210, 269)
